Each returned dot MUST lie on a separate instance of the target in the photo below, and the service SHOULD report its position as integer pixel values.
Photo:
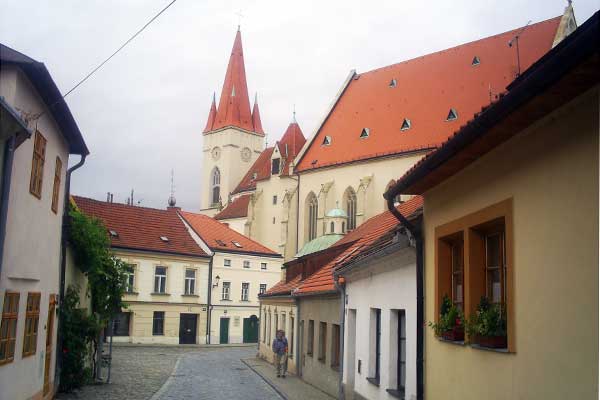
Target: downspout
(342, 290)
(9, 154)
(259, 326)
(297, 213)
(63, 259)
(298, 336)
(209, 302)
(417, 235)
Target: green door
(251, 329)
(224, 331)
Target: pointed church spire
(212, 114)
(234, 104)
(256, 124)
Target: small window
(246, 264)
(275, 199)
(393, 83)
(8, 328)
(262, 288)
(254, 175)
(275, 165)
(56, 187)
(160, 279)
(476, 61)
(335, 346)
(263, 266)
(37, 165)
(236, 244)
(164, 238)
(121, 324)
(227, 263)
(405, 125)
(322, 341)
(311, 337)
(326, 141)
(129, 278)
(190, 281)
(332, 225)
(245, 291)
(32, 318)
(375, 350)
(365, 133)
(113, 233)
(225, 293)
(221, 243)
(452, 115)
(158, 323)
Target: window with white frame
(245, 291)
(129, 278)
(226, 290)
(227, 262)
(263, 265)
(246, 264)
(215, 186)
(190, 281)
(160, 279)
(262, 288)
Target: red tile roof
(282, 287)
(366, 234)
(426, 88)
(234, 104)
(219, 237)
(293, 138)
(256, 123)
(238, 208)
(141, 228)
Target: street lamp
(217, 278)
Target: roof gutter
(417, 235)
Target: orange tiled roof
(426, 88)
(238, 208)
(366, 234)
(141, 228)
(220, 237)
(282, 287)
(260, 170)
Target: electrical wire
(119, 49)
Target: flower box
(492, 342)
(456, 334)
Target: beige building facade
(280, 312)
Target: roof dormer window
(326, 141)
(220, 243)
(364, 133)
(405, 125)
(236, 244)
(393, 83)
(275, 166)
(164, 239)
(476, 61)
(113, 233)
(452, 115)
(254, 175)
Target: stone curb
(167, 383)
(279, 392)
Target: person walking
(280, 348)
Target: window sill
(28, 355)
(478, 347)
(131, 293)
(190, 295)
(373, 381)
(245, 301)
(455, 342)
(160, 294)
(397, 393)
(226, 300)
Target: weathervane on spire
(294, 114)
(172, 200)
(240, 16)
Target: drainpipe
(298, 336)
(9, 154)
(209, 303)
(259, 326)
(342, 290)
(63, 259)
(417, 235)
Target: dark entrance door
(251, 329)
(187, 328)
(224, 331)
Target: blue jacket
(280, 345)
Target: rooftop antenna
(515, 40)
(172, 201)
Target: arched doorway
(251, 329)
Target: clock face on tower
(246, 154)
(216, 153)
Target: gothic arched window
(312, 207)
(350, 204)
(332, 227)
(215, 185)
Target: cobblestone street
(139, 373)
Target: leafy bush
(451, 317)
(489, 320)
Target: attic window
(405, 125)
(393, 83)
(476, 61)
(164, 238)
(236, 244)
(364, 133)
(113, 233)
(452, 115)
(254, 175)
(275, 166)
(326, 141)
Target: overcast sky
(143, 113)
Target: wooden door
(224, 331)
(49, 340)
(187, 328)
(251, 329)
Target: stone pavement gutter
(291, 387)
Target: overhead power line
(119, 49)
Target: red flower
(457, 322)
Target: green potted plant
(450, 325)
(487, 327)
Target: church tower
(233, 136)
